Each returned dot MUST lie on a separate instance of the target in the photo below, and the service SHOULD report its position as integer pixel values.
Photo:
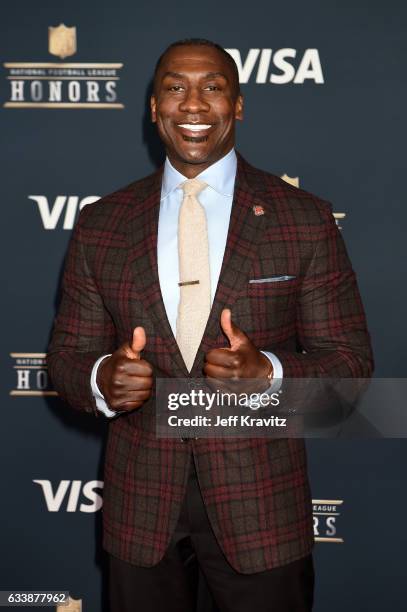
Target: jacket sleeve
(83, 329)
(330, 321)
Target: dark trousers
(172, 584)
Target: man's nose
(193, 101)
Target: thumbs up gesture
(124, 378)
(241, 360)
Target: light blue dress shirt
(217, 200)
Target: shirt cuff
(97, 394)
(277, 372)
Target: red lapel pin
(258, 210)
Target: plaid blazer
(256, 491)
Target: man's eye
(212, 88)
(175, 88)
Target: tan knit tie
(194, 274)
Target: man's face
(195, 105)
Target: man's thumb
(138, 342)
(231, 331)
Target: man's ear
(239, 107)
(153, 109)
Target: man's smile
(194, 127)
(196, 131)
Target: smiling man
(195, 105)
(209, 267)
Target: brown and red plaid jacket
(256, 491)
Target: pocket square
(272, 279)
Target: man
(191, 272)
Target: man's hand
(125, 379)
(239, 362)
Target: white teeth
(194, 127)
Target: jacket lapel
(142, 232)
(245, 229)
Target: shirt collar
(220, 176)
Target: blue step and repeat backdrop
(324, 87)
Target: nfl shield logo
(258, 210)
(62, 41)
